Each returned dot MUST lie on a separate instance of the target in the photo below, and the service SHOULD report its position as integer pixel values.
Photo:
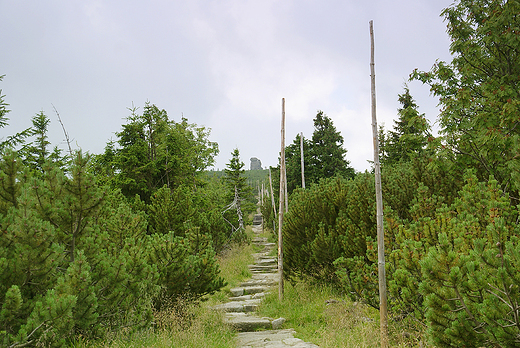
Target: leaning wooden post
(280, 210)
(302, 162)
(383, 310)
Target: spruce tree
(409, 136)
(327, 152)
(293, 162)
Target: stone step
(239, 306)
(261, 256)
(248, 290)
(257, 219)
(272, 339)
(266, 276)
(258, 295)
(267, 261)
(267, 271)
(246, 322)
(266, 268)
(265, 244)
(259, 282)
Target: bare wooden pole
(272, 193)
(280, 210)
(286, 195)
(383, 310)
(262, 202)
(302, 161)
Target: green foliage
(324, 223)
(410, 134)
(238, 193)
(324, 156)
(327, 152)
(75, 257)
(13, 140)
(479, 89)
(470, 280)
(293, 163)
(155, 151)
(187, 265)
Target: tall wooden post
(280, 210)
(272, 193)
(383, 310)
(286, 195)
(302, 161)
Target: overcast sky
(222, 64)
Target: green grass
(233, 268)
(321, 316)
(199, 328)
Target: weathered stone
(237, 291)
(262, 268)
(244, 322)
(256, 164)
(277, 323)
(241, 298)
(239, 306)
(259, 295)
(255, 289)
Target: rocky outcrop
(256, 164)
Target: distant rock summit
(255, 164)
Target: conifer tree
(327, 152)
(235, 181)
(410, 134)
(13, 140)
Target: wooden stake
(286, 196)
(280, 210)
(383, 311)
(302, 162)
(272, 193)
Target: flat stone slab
(259, 282)
(267, 261)
(246, 322)
(248, 290)
(241, 298)
(266, 276)
(272, 339)
(266, 268)
(239, 306)
(273, 270)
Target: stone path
(254, 331)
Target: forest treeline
(450, 201)
(93, 244)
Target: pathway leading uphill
(256, 332)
